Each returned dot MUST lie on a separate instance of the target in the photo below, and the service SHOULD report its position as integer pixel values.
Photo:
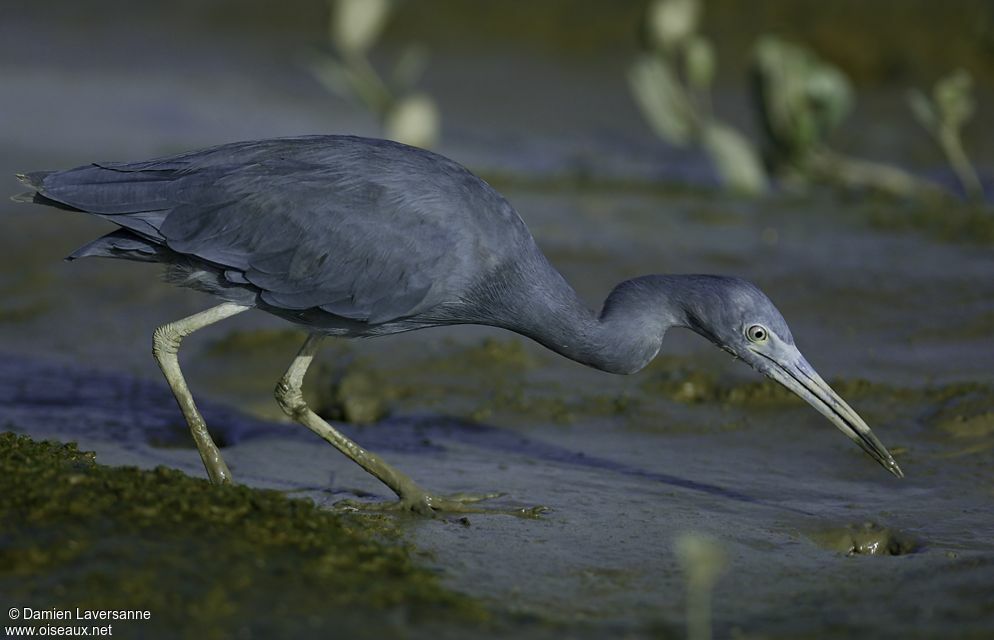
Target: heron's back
(366, 230)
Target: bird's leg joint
(166, 341)
(290, 398)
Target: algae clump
(490, 353)
(689, 386)
(209, 561)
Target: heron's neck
(623, 338)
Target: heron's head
(738, 317)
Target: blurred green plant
(944, 115)
(406, 114)
(671, 83)
(703, 559)
(801, 99)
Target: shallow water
(902, 319)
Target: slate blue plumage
(359, 237)
(324, 222)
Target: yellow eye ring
(757, 333)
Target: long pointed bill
(803, 380)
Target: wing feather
(364, 229)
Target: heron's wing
(309, 237)
(361, 236)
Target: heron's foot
(427, 504)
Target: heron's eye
(757, 333)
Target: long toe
(469, 497)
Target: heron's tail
(32, 180)
(35, 179)
(127, 195)
(96, 190)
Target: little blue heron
(356, 237)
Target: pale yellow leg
(165, 348)
(411, 496)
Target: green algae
(516, 399)
(957, 418)
(209, 561)
(494, 380)
(976, 426)
(673, 380)
(494, 376)
(489, 358)
(503, 381)
(485, 374)
(520, 402)
(343, 387)
(862, 388)
(966, 420)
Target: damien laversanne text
(27, 613)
